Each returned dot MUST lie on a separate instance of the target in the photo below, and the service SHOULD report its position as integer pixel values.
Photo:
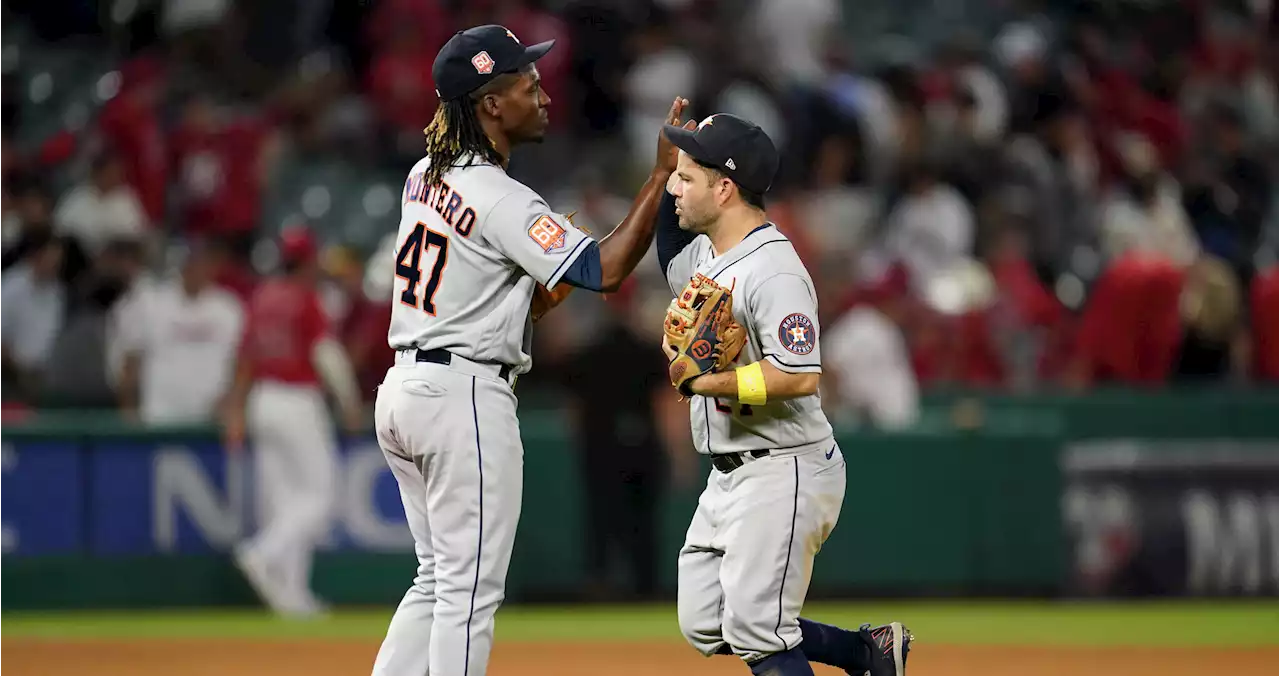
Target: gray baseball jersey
(774, 300)
(469, 252)
(470, 249)
(743, 572)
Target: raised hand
(668, 153)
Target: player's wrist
(660, 175)
(751, 387)
(690, 387)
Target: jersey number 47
(409, 266)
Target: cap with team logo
(471, 58)
(733, 145)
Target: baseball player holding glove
(741, 338)
(479, 258)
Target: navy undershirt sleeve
(670, 238)
(585, 272)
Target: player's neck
(733, 227)
(500, 142)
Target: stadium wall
(1111, 494)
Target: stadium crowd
(1014, 195)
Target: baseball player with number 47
(752, 369)
(480, 258)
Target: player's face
(525, 108)
(695, 194)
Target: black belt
(443, 356)
(727, 462)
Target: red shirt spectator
(426, 20)
(221, 169)
(400, 83)
(1122, 106)
(284, 324)
(364, 334)
(130, 124)
(1131, 328)
(1264, 297)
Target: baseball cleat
(889, 646)
(259, 577)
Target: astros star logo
(513, 36)
(797, 333)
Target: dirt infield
(33, 657)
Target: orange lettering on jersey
(451, 210)
(413, 188)
(547, 234)
(466, 221)
(441, 196)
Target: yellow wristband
(751, 384)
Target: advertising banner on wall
(1171, 518)
(129, 497)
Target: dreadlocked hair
(455, 131)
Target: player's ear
(725, 188)
(490, 105)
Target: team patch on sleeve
(796, 333)
(547, 234)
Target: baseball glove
(701, 331)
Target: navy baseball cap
(733, 145)
(471, 58)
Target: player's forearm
(778, 385)
(670, 238)
(335, 368)
(240, 385)
(622, 249)
(128, 389)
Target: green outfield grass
(955, 622)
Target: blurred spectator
(1009, 336)
(1211, 307)
(868, 371)
(1227, 191)
(1144, 214)
(930, 230)
(28, 223)
(977, 104)
(33, 305)
(78, 374)
(360, 320)
(1092, 157)
(620, 446)
(790, 38)
(839, 217)
(1264, 304)
(103, 209)
(399, 79)
(223, 160)
(662, 70)
(1056, 171)
(598, 63)
(130, 125)
(1131, 327)
(176, 341)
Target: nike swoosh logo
(831, 452)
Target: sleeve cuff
(566, 262)
(797, 367)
